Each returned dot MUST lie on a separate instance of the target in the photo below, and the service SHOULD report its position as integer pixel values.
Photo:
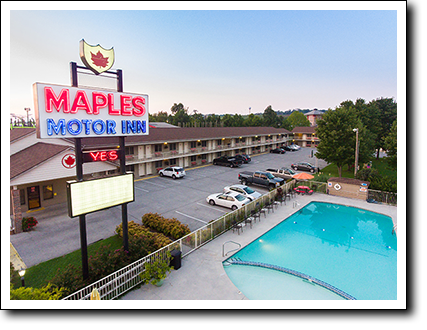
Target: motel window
(128, 150)
(193, 144)
(172, 146)
(130, 168)
(193, 158)
(158, 148)
(218, 142)
(204, 143)
(47, 192)
(158, 164)
(172, 162)
(204, 156)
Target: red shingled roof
(36, 154)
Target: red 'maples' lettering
(81, 103)
(125, 104)
(99, 100)
(138, 102)
(129, 105)
(62, 101)
(111, 110)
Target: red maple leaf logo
(69, 160)
(99, 60)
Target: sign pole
(79, 174)
(123, 170)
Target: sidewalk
(202, 276)
(16, 259)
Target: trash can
(175, 259)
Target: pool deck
(202, 276)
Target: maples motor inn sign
(63, 111)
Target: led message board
(63, 111)
(89, 196)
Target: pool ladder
(230, 250)
(394, 231)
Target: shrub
(70, 279)
(105, 262)
(28, 223)
(149, 241)
(169, 227)
(48, 292)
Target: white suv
(174, 172)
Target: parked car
(173, 171)
(303, 166)
(243, 190)
(243, 157)
(278, 151)
(285, 173)
(292, 147)
(232, 200)
(227, 161)
(303, 190)
(261, 178)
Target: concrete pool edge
(202, 276)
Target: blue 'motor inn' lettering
(134, 126)
(75, 126)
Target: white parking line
(141, 189)
(213, 208)
(156, 184)
(188, 216)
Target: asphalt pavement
(184, 199)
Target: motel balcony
(188, 152)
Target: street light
(356, 130)
(21, 273)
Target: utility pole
(356, 161)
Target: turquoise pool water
(351, 249)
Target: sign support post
(79, 174)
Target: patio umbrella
(303, 176)
(95, 295)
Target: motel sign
(63, 111)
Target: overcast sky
(216, 61)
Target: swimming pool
(351, 250)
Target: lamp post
(356, 161)
(21, 273)
(28, 117)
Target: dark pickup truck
(260, 178)
(227, 161)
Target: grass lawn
(39, 275)
(379, 164)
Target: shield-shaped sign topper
(96, 58)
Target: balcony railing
(158, 155)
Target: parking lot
(183, 199)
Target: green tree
(390, 144)
(176, 108)
(270, 117)
(387, 115)
(338, 141)
(252, 121)
(161, 116)
(295, 119)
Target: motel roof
(305, 129)
(161, 135)
(32, 156)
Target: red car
(303, 190)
